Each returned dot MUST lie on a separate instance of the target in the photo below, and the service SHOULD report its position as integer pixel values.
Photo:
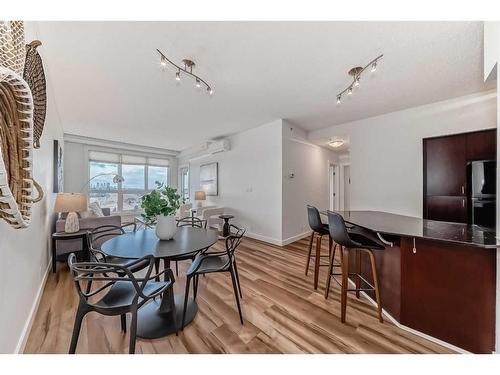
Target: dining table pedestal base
(154, 324)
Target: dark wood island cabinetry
(437, 278)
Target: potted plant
(160, 206)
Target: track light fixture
(355, 73)
(188, 70)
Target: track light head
(356, 82)
(210, 91)
(349, 91)
(339, 99)
(374, 67)
(178, 76)
(198, 83)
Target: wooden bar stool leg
(358, 271)
(375, 284)
(310, 251)
(345, 281)
(329, 276)
(316, 261)
(330, 245)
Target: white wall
(249, 180)
(310, 185)
(75, 166)
(26, 252)
(386, 151)
(491, 49)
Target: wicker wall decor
(16, 130)
(34, 75)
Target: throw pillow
(96, 209)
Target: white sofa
(211, 215)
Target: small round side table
(225, 228)
(63, 236)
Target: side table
(225, 228)
(63, 236)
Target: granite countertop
(400, 225)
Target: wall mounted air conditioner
(218, 146)
(210, 148)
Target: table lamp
(71, 203)
(200, 196)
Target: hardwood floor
(283, 314)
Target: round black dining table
(154, 320)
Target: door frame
(342, 179)
(333, 179)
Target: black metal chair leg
(123, 319)
(177, 268)
(133, 331)
(195, 286)
(186, 297)
(157, 268)
(80, 313)
(238, 279)
(89, 286)
(235, 287)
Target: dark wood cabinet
(448, 292)
(447, 208)
(445, 162)
(445, 172)
(481, 145)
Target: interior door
(332, 174)
(347, 187)
(445, 161)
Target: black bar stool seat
(364, 242)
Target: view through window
(139, 177)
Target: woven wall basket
(34, 75)
(16, 131)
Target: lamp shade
(69, 202)
(200, 196)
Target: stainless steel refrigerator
(483, 182)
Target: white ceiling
(108, 83)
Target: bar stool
(319, 230)
(352, 241)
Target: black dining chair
(349, 240)
(217, 261)
(98, 235)
(318, 230)
(193, 222)
(120, 291)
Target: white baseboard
(411, 330)
(275, 241)
(260, 237)
(21, 344)
(295, 238)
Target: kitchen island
(438, 278)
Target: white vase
(166, 227)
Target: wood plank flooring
(283, 314)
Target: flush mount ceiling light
(355, 73)
(335, 143)
(187, 70)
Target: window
(185, 183)
(139, 176)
